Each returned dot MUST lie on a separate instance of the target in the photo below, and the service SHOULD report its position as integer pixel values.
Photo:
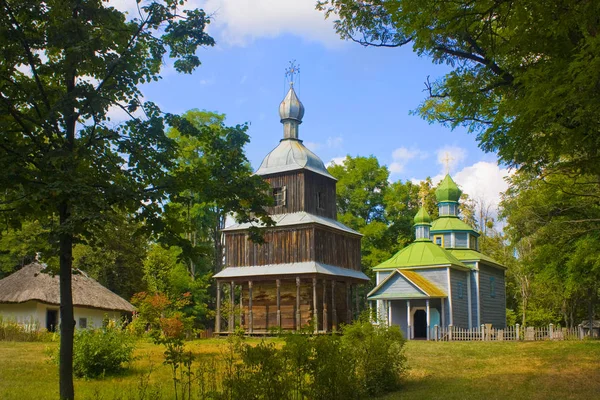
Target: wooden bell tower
(306, 272)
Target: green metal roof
(447, 190)
(472, 255)
(422, 217)
(418, 254)
(451, 223)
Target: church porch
(262, 305)
(416, 317)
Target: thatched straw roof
(29, 283)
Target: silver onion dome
(291, 107)
(291, 154)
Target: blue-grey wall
(459, 305)
(493, 309)
(474, 303)
(399, 314)
(383, 275)
(437, 276)
(399, 284)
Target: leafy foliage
(100, 352)
(524, 74)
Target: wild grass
(504, 370)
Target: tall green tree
(63, 65)
(560, 235)
(524, 74)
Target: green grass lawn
(505, 370)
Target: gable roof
(472, 255)
(421, 253)
(30, 283)
(405, 284)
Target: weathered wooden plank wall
(264, 304)
(337, 249)
(314, 184)
(296, 244)
(295, 186)
(285, 245)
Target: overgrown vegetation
(366, 360)
(101, 352)
(11, 330)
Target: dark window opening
(51, 320)
(320, 200)
(83, 323)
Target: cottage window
(492, 286)
(279, 196)
(82, 323)
(460, 290)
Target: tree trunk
(67, 322)
(591, 311)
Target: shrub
(99, 352)
(378, 353)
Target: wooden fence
(511, 333)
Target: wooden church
(305, 274)
(441, 278)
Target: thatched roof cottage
(32, 297)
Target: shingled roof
(30, 283)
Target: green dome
(422, 217)
(420, 254)
(447, 190)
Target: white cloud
(241, 21)
(336, 161)
(237, 22)
(453, 155)
(402, 155)
(483, 181)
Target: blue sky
(357, 99)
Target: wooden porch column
(278, 281)
(324, 305)
(250, 315)
(218, 318)
(241, 305)
(298, 322)
(348, 302)
(315, 310)
(443, 314)
(232, 308)
(356, 300)
(408, 327)
(428, 318)
(333, 310)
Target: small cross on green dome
(447, 190)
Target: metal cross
(447, 160)
(292, 70)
